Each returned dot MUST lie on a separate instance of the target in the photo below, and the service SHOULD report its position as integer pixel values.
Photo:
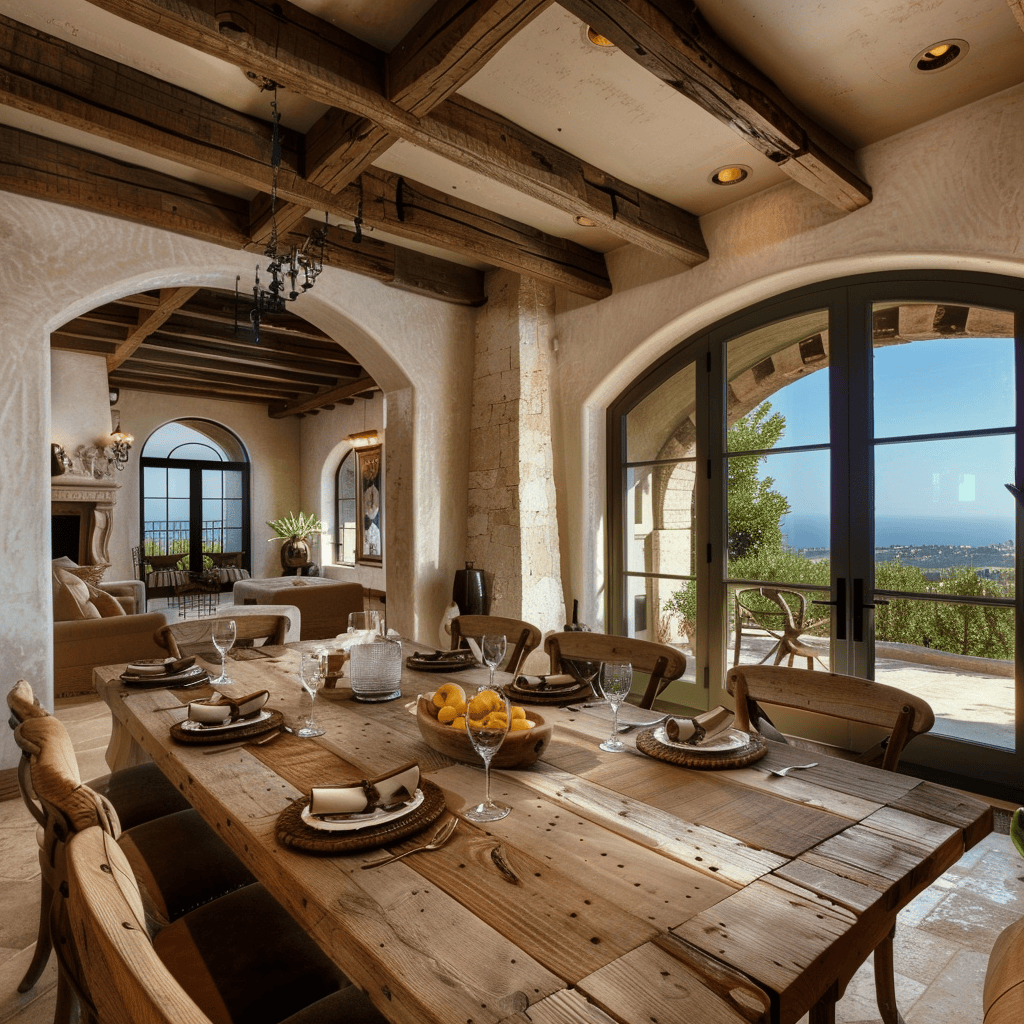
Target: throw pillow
(106, 604)
(71, 598)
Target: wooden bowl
(518, 750)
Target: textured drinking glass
(617, 680)
(311, 675)
(375, 670)
(223, 636)
(492, 648)
(487, 728)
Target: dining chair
(138, 794)
(523, 637)
(903, 714)
(240, 960)
(183, 862)
(1003, 993)
(663, 663)
(195, 636)
(782, 614)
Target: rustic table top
(620, 888)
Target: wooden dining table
(620, 888)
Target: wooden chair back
(107, 951)
(195, 636)
(904, 714)
(664, 663)
(522, 638)
(225, 559)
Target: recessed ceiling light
(597, 39)
(733, 174)
(584, 222)
(940, 55)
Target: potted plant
(295, 531)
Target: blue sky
(920, 388)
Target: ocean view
(811, 531)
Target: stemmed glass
(492, 649)
(223, 636)
(616, 680)
(487, 729)
(311, 674)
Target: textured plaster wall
(947, 195)
(82, 415)
(61, 262)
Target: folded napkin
(363, 797)
(556, 682)
(701, 728)
(227, 709)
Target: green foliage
(755, 510)
(978, 630)
(302, 525)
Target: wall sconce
(119, 445)
(363, 439)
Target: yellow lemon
(446, 715)
(518, 713)
(519, 724)
(459, 723)
(451, 695)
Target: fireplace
(81, 518)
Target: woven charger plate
(293, 832)
(243, 732)
(710, 760)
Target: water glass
(312, 668)
(487, 720)
(365, 625)
(375, 670)
(617, 681)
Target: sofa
(324, 604)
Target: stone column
(513, 529)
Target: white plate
(189, 726)
(731, 739)
(358, 821)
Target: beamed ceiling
(464, 134)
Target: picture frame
(370, 501)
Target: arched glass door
(849, 449)
(195, 493)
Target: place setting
(173, 673)
(227, 719)
(361, 815)
(706, 741)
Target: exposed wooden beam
(323, 398)
(199, 359)
(199, 373)
(33, 166)
(288, 49)
(172, 385)
(148, 322)
(672, 40)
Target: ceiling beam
(323, 398)
(172, 384)
(674, 42)
(148, 322)
(289, 49)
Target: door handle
(840, 606)
(859, 606)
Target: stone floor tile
(971, 920)
(36, 1005)
(859, 1002)
(19, 922)
(920, 956)
(954, 997)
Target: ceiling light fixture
(597, 39)
(584, 222)
(940, 55)
(292, 271)
(732, 174)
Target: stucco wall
(60, 262)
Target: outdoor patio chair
(782, 614)
(664, 663)
(522, 638)
(864, 701)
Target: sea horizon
(811, 530)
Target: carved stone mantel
(95, 500)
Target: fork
(783, 772)
(438, 839)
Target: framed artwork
(370, 498)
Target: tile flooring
(942, 942)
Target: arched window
(195, 493)
(345, 511)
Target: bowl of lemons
(441, 717)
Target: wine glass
(616, 680)
(492, 649)
(223, 636)
(312, 668)
(487, 719)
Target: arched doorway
(849, 441)
(195, 493)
